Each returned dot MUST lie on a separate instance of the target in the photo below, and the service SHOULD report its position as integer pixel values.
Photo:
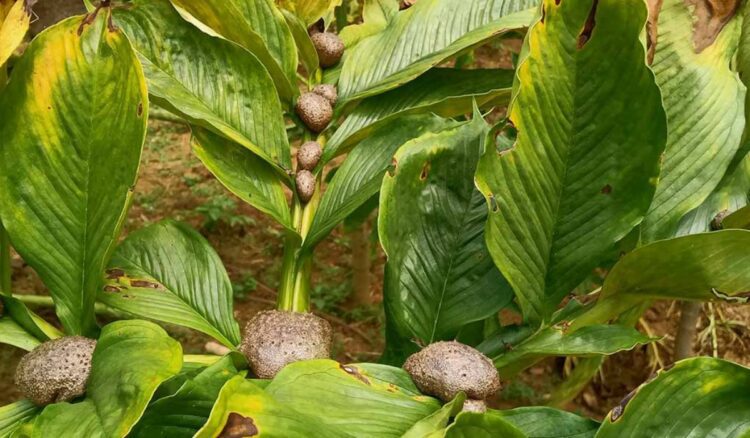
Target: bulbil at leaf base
(56, 370)
(276, 338)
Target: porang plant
(622, 150)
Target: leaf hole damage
(493, 203)
(238, 426)
(425, 171)
(588, 26)
(544, 14)
(619, 410)
(392, 167)
(139, 111)
(114, 274)
(710, 18)
(607, 189)
(144, 284)
(354, 372)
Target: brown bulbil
(314, 110)
(308, 155)
(444, 369)
(328, 91)
(329, 46)
(56, 370)
(275, 338)
(305, 182)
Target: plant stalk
(683, 344)
(35, 301)
(5, 268)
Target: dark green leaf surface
(209, 81)
(439, 274)
(243, 173)
(581, 174)
(131, 359)
(487, 425)
(540, 422)
(66, 179)
(444, 91)
(183, 413)
(701, 397)
(361, 174)
(423, 36)
(345, 398)
(704, 102)
(256, 25)
(169, 272)
(554, 341)
(709, 266)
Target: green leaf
(305, 48)
(346, 398)
(704, 102)
(540, 422)
(473, 425)
(439, 274)
(731, 195)
(699, 397)
(168, 272)
(183, 413)
(575, 382)
(581, 174)
(438, 420)
(256, 25)
(12, 416)
(361, 174)
(555, 341)
(309, 11)
(209, 81)
(66, 179)
(131, 359)
(251, 409)
(13, 27)
(13, 334)
(28, 320)
(422, 37)
(376, 14)
(244, 174)
(444, 91)
(708, 266)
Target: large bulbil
(444, 369)
(314, 110)
(276, 338)
(308, 155)
(56, 370)
(329, 46)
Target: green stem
(5, 269)
(46, 301)
(289, 263)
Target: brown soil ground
(174, 184)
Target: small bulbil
(56, 371)
(308, 155)
(314, 110)
(305, 182)
(329, 46)
(444, 369)
(275, 338)
(328, 91)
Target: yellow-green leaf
(73, 120)
(13, 27)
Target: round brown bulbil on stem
(329, 46)
(314, 110)
(444, 369)
(308, 155)
(56, 371)
(276, 338)
(328, 91)
(305, 182)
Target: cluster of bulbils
(315, 109)
(58, 370)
